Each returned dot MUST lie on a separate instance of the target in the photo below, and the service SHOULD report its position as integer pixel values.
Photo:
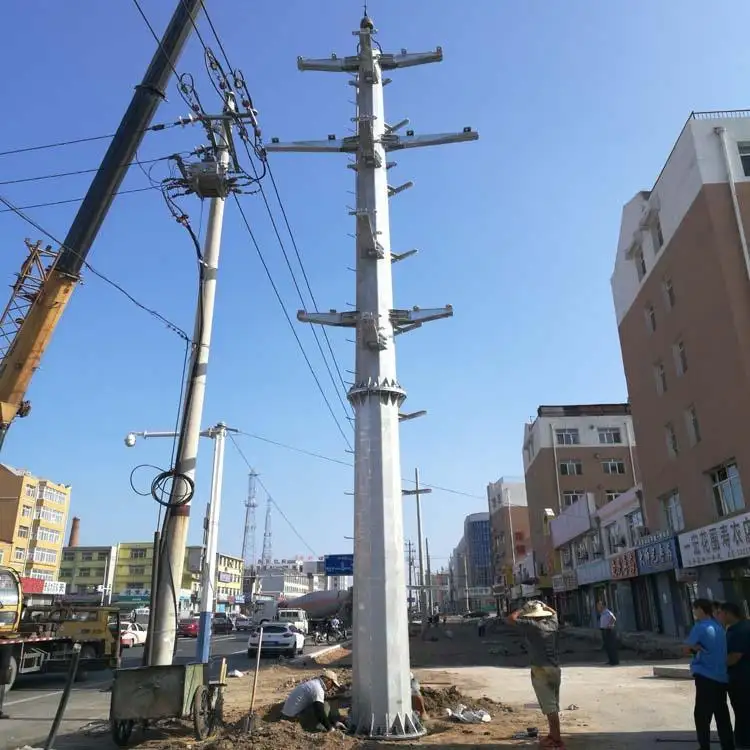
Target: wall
(573, 521)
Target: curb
(326, 650)
(673, 673)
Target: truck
(42, 639)
(296, 617)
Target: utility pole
(430, 602)
(208, 179)
(211, 545)
(381, 693)
(418, 492)
(410, 561)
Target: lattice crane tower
(267, 557)
(381, 696)
(248, 540)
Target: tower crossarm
(351, 64)
(408, 320)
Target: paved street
(33, 701)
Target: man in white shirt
(307, 704)
(607, 622)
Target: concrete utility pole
(418, 492)
(429, 576)
(381, 695)
(410, 562)
(207, 180)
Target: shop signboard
(558, 584)
(657, 557)
(593, 572)
(570, 580)
(623, 566)
(728, 539)
(225, 577)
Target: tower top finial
(366, 23)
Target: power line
(289, 320)
(340, 462)
(154, 313)
(90, 139)
(16, 209)
(270, 497)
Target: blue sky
(578, 104)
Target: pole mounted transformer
(381, 693)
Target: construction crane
(42, 292)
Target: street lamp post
(418, 492)
(211, 536)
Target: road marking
(34, 698)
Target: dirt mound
(437, 701)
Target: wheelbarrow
(145, 695)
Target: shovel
(252, 720)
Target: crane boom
(23, 353)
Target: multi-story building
(509, 530)
(89, 573)
(229, 570)
(681, 290)
(472, 564)
(32, 524)
(569, 452)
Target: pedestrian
(607, 623)
(738, 662)
(307, 704)
(707, 643)
(540, 626)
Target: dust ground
(619, 708)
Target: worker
(417, 701)
(540, 626)
(738, 661)
(307, 704)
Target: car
(221, 623)
(278, 638)
(132, 634)
(188, 628)
(243, 623)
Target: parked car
(243, 623)
(188, 628)
(132, 634)
(221, 623)
(278, 638)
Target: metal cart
(177, 691)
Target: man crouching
(539, 625)
(307, 704)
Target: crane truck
(41, 639)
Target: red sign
(32, 585)
(623, 566)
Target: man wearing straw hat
(539, 625)
(307, 704)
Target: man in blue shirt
(708, 644)
(738, 660)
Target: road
(33, 701)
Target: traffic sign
(339, 565)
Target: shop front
(658, 597)
(567, 601)
(721, 555)
(622, 570)
(593, 581)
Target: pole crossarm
(351, 63)
(401, 320)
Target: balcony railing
(720, 114)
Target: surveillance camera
(130, 439)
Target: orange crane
(47, 278)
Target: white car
(132, 634)
(279, 638)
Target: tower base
(401, 727)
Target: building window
(673, 447)
(640, 263)
(53, 516)
(610, 436)
(137, 585)
(137, 554)
(672, 508)
(613, 466)
(680, 358)
(19, 553)
(727, 489)
(66, 572)
(69, 556)
(53, 537)
(744, 148)
(611, 495)
(650, 314)
(657, 236)
(137, 570)
(660, 376)
(635, 527)
(668, 290)
(570, 497)
(571, 468)
(87, 556)
(102, 556)
(613, 538)
(27, 511)
(568, 436)
(23, 532)
(84, 573)
(693, 426)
